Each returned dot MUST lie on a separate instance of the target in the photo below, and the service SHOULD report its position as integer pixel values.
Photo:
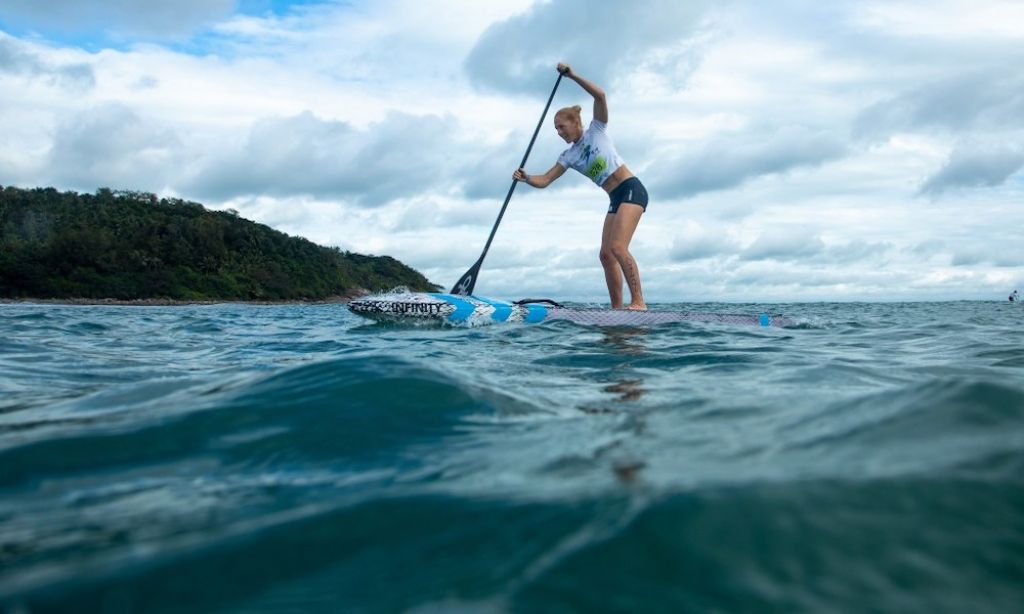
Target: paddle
(467, 282)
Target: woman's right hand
(565, 69)
(520, 175)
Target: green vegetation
(132, 245)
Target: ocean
(296, 458)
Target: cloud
(976, 166)
(945, 19)
(784, 244)
(112, 145)
(778, 244)
(485, 170)
(490, 174)
(387, 43)
(153, 18)
(428, 212)
(697, 243)
(992, 255)
(519, 54)
(18, 59)
(730, 161)
(989, 99)
(926, 249)
(400, 156)
(856, 251)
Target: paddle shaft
(467, 282)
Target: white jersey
(594, 154)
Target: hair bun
(573, 112)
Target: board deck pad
(410, 307)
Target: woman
(593, 154)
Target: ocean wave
(343, 409)
(925, 427)
(235, 457)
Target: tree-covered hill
(133, 245)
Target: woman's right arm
(540, 181)
(600, 98)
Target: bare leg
(612, 268)
(623, 226)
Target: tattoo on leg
(632, 273)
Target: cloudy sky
(794, 150)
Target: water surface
(296, 458)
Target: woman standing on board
(593, 154)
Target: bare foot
(637, 307)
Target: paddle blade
(466, 283)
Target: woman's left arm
(600, 99)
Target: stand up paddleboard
(463, 308)
(423, 307)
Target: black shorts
(629, 191)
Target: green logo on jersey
(598, 166)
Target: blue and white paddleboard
(411, 307)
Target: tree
(131, 245)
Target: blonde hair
(573, 112)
